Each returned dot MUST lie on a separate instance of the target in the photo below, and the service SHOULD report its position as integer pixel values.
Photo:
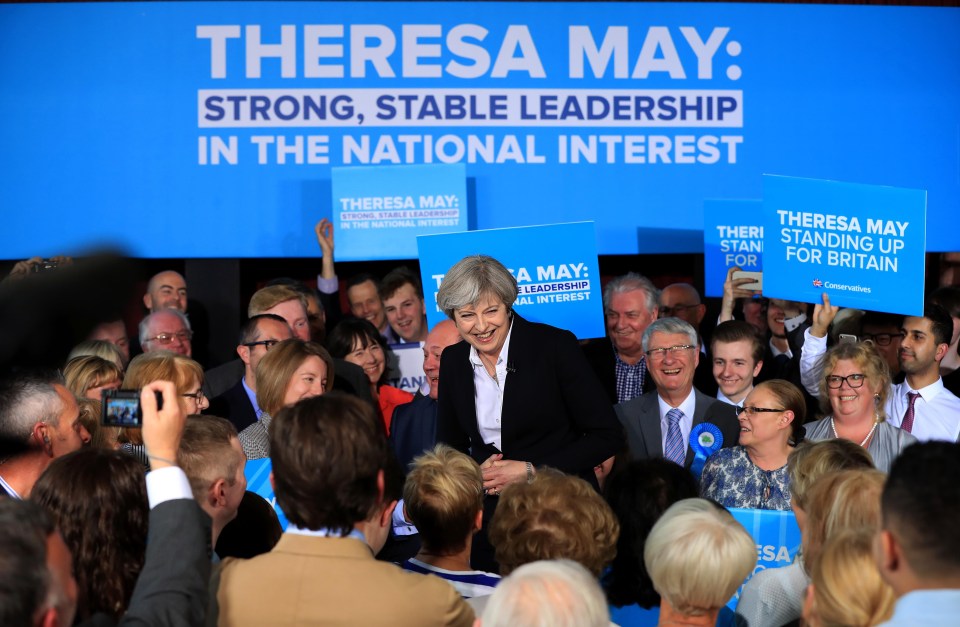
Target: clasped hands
(498, 473)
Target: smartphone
(757, 277)
(121, 408)
(847, 338)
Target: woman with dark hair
(98, 499)
(357, 341)
(638, 495)
(754, 473)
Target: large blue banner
(209, 129)
(863, 245)
(380, 210)
(555, 266)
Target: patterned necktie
(673, 449)
(907, 423)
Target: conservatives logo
(817, 283)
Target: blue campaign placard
(863, 245)
(732, 236)
(257, 472)
(378, 211)
(777, 537)
(211, 129)
(555, 266)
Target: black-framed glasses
(167, 338)
(880, 339)
(660, 353)
(666, 312)
(266, 344)
(751, 411)
(197, 396)
(835, 382)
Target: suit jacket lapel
(650, 425)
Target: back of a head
(269, 297)
(848, 589)
(327, 453)
(552, 593)
(556, 516)
(206, 453)
(638, 496)
(849, 499)
(442, 495)
(162, 366)
(99, 501)
(97, 348)
(26, 399)
(25, 582)
(921, 508)
(697, 556)
(810, 461)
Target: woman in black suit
(516, 394)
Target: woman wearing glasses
(853, 390)
(754, 473)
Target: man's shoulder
(638, 405)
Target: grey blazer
(640, 418)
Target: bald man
(414, 426)
(166, 290)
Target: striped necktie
(674, 449)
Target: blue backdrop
(210, 129)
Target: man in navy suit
(659, 423)
(258, 335)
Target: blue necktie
(673, 449)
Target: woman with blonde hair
(187, 377)
(291, 371)
(98, 348)
(853, 391)
(87, 376)
(846, 588)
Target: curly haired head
(556, 516)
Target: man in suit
(414, 426)
(659, 423)
(37, 586)
(41, 416)
(629, 306)
(257, 336)
(332, 486)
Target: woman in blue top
(754, 474)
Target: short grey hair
(548, 593)
(473, 277)
(670, 325)
(144, 329)
(697, 556)
(27, 400)
(632, 282)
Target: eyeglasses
(666, 312)
(660, 353)
(266, 344)
(835, 382)
(751, 411)
(167, 338)
(880, 339)
(197, 396)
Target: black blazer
(235, 406)
(555, 412)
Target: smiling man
(402, 299)
(737, 359)
(166, 290)
(659, 423)
(364, 299)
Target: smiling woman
(854, 390)
(553, 412)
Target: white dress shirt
(723, 397)
(688, 407)
(488, 393)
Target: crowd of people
(533, 479)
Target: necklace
(865, 440)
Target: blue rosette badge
(705, 440)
